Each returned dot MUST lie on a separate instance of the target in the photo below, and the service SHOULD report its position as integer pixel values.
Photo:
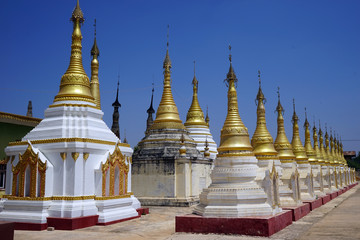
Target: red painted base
(254, 226)
(72, 223)
(7, 230)
(333, 195)
(117, 221)
(30, 226)
(299, 212)
(315, 203)
(325, 199)
(143, 211)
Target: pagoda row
(72, 171)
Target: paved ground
(338, 219)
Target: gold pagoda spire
(207, 119)
(317, 150)
(282, 144)
(342, 153)
(332, 148)
(195, 115)
(75, 83)
(309, 149)
(327, 147)
(167, 115)
(298, 148)
(94, 84)
(262, 140)
(322, 147)
(234, 135)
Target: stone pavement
(338, 219)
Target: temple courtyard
(338, 219)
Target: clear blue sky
(310, 49)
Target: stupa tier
(72, 171)
(168, 168)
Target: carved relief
(37, 170)
(116, 159)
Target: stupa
(312, 158)
(330, 159)
(197, 126)
(270, 170)
(327, 182)
(306, 176)
(290, 195)
(317, 166)
(70, 171)
(235, 203)
(160, 174)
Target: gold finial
(94, 84)
(195, 115)
(296, 143)
(77, 14)
(167, 115)
(262, 141)
(282, 144)
(206, 149)
(319, 157)
(322, 147)
(75, 84)
(230, 57)
(327, 146)
(29, 109)
(167, 36)
(311, 154)
(207, 119)
(234, 134)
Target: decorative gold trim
(71, 105)
(113, 197)
(63, 155)
(20, 118)
(75, 155)
(241, 154)
(58, 140)
(71, 98)
(72, 198)
(86, 155)
(169, 139)
(10, 197)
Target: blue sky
(310, 49)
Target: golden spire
(167, 115)
(207, 119)
(282, 144)
(322, 148)
(262, 140)
(335, 150)
(309, 149)
(342, 153)
(317, 150)
(332, 149)
(75, 83)
(298, 148)
(195, 115)
(327, 148)
(94, 84)
(234, 135)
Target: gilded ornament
(86, 155)
(75, 155)
(63, 155)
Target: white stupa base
(25, 211)
(318, 180)
(306, 182)
(326, 179)
(201, 134)
(114, 210)
(289, 191)
(234, 191)
(72, 209)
